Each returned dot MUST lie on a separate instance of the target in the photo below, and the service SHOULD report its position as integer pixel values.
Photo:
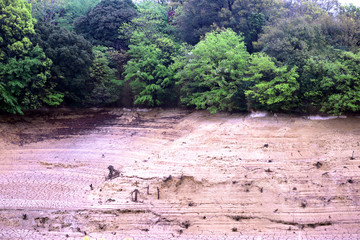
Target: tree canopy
(212, 76)
(221, 55)
(152, 50)
(72, 57)
(101, 25)
(24, 67)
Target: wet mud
(178, 174)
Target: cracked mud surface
(193, 176)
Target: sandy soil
(195, 176)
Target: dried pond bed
(183, 175)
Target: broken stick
(134, 195)
(352, 157)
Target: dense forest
(298, 56)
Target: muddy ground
(182, 175)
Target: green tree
(293, 40)
(272, 88)
(72, 57)
(213, 72)
(152, 51)
(27, 80)
(16, 25)
(152, 20)
(101, 25)
(24, 68)
(47, 10)
(246, 16)
(343, 31)
(103, 87)
(74, 9)
(333, 83)
(309, 9)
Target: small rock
(185, 224)
(318, 165)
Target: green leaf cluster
(212, 76)
(101, 24)
(152, 51)
(73, 9)
(272, 88)
(16, 25)
(72, 57)
(24, 67)
(335, 83)
(103, 86)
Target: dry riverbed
(182, 175)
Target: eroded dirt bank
(195, 176)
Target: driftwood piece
(134, 195)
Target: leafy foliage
(335, 83)
(100, 26)
(309, 56)
(152, 52)
(24, 69)
(72, 57)
(273, 88)
(309, 9)
(74, 9)
(343, 32)
(16, 25)
(247, 17)
(103, 87)
(212, 77)
(46, 10)
(292, 41)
